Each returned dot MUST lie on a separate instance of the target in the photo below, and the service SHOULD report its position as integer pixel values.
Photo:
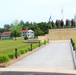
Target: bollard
(16, 53)
(70, 40)
(39, 43)
(31, 47)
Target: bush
(26, 50)
(25, 38)
(47, 41)
(4, 58)
(42, 43)
(11, 55)
(19, 53)
(38, 45)
(22, 51)
(35, 46)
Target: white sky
(35, 10)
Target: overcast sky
(35, 10)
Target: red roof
(24, 30)
(9, 32)
(6, 33)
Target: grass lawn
(10, 45)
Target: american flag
(50, 18)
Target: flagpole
(62, 14)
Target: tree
(52, 23)
(15, 30)
(2, 30)
(62, 23)
(44, 27)
(49, 25)
(38, 31)
(57, 23)
(72, 23)
(22, 24)
(6, 27)
(67, 23)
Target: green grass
(7, 46)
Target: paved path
(54, 55)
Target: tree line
(40, 28)
(62, 24)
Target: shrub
(19, 53)
(42, 43)
(4, 58)
(11, 55)
(26, 50)
(38, 45)
(47, 41)
(35, 46)
(22, 51)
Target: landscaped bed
(8, 53)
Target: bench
(32, 41)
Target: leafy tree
(62, 23)
(26, 25)
(72, 23)
(21, 23)
(2, 30)
(15, 30)
(57, 23)
(49, 25)
(44, 27)
(6, 27)
(67, 23)
(52, 23)
(38, 31)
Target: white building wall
(30, 34)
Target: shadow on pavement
(32, 73)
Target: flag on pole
(50, 18)
(62, 14)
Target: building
(28, 33)
(5, 35)
(24, 32)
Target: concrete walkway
(55, 55)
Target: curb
(73, 57)
(39, 70)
